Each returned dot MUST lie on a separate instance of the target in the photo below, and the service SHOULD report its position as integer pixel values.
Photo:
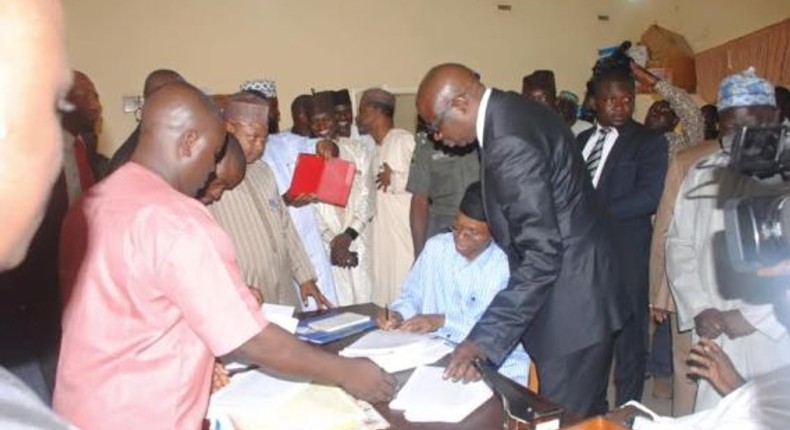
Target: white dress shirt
(611, 137)
(481, 116)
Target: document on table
(395, 350)
(258, 401)
(427, 397)
(281, 315)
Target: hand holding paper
(461, 367)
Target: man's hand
(423, 323)
(384, 178)
(394, 321)
(339, 251)
(303, 199)
(709, 323)
(461, 367)
(220, 377)
(310, 289)
(643, 76)
(327, 149)
(735, 325)
(626, 415)
(659, 315)
(366, 381)
(710, 362)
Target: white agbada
(282, 150)
(761, 404)
(352, 285)
(701, 275)
(393, 251)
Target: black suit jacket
(562, 295)
(630, 188)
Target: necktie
(83, 163)
(594, 159)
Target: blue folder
(307, 334)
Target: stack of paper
(257, 401)
(397, 350)
(426, 397)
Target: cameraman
(734, 310)
(760, 403)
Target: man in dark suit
(627, 163)
(561, 299)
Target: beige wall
(359, 43)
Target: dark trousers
(630, 358)
(659, 365)
(578, 381)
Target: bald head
(246, 117)
(34, 78)
(447, 99)
(158, 79)
(181, 135)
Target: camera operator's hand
(735, 325)
(643, 76)
(709, 323)
(707, 360)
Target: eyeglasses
(433, 128)
(468, 232)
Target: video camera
(757, 229)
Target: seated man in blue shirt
(452, 282)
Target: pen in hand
(386, 313)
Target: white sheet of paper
(427, 397)
(255, 390)
(258, 403)
(281, 315)
(398, 350)
(386, 342)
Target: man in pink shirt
(152, 291)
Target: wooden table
(489, 416)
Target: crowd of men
(523, 227)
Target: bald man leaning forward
(560, 299)
(153, 292)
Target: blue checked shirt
(444, 282)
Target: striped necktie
(594, 159)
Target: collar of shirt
(481, 116)
(611, 137)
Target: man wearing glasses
(562, 300)
(453, 281)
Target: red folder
(329, 180)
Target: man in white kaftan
(393, 249)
